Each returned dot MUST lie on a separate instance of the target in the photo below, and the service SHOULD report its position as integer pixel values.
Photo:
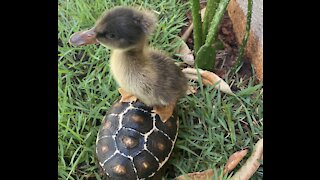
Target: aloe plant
(208, 15)
(197, 26)
(205, 34)
(206, 54)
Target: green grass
(212, 125)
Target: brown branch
(252, 164)
(234, 160)
(208, 78)
(207, 174)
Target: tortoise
(133, 142)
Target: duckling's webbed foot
(126, 97)
(164, 112)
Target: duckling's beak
(83, 38)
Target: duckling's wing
(171, 81)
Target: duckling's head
(118, 28)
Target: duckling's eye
(110, 35)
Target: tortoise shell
(133, 142)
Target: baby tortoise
(133, 142)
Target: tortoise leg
(164, 112)
(126, 97)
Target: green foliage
(197, 26)
(208, 15)
(206, 55)
(212, 125)
(86, 89)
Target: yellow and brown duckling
(141, 72)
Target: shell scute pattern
(129, 142)
(168, 127)
(138, 120)
(110, 125)
(159, 145)
(133, 142)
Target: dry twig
(207, 174)
(252, 164)
(208, 78)
(234, 160)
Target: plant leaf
(208, 78)
(185, 53)
(212, 32)
(234, 160)
(202, 12)
(187, 32)
(207, 174)
(212, 6)
(197, 27)
(205, 58)
(191, 90)
(218, 45)
(252, 164)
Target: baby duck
(141, 72)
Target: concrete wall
(256, 18)
(237, 10)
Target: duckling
(142, 72)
